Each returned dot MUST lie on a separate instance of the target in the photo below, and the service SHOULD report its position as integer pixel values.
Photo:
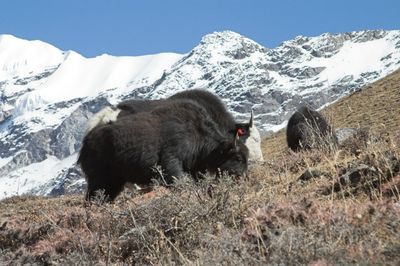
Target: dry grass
(281, 214)
(313, 207)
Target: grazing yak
(178, 136)
(248, 132)
(308, 129)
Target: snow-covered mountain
(47, 95)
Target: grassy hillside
(376, 106)
(315, 208)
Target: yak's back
(129, 107)
(213, 104)
(188, 115)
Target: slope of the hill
(375, 106)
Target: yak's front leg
(172, 168)
(110, 185)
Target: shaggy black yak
(248, 132)
(179, 136)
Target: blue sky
(133, 27)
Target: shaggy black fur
(214, 106)
(308, 129)
(129, 107)
(179, 136)
(211, 102)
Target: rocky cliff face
(273, 82)
(47, 95)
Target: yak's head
(249, 135)
(232, 158)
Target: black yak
(180, 137)
(248, 132)
(307, 129)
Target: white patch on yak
(104, 116)
(253, 143)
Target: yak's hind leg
(110, 185)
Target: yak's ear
(251, 119)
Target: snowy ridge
(81, 77)
(47, 95)
(22, 57)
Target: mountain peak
(19, 56)
(218, 36)
(222, 38)
(7, 37)
(227, 44)
(10, 40)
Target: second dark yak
(308, 129)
